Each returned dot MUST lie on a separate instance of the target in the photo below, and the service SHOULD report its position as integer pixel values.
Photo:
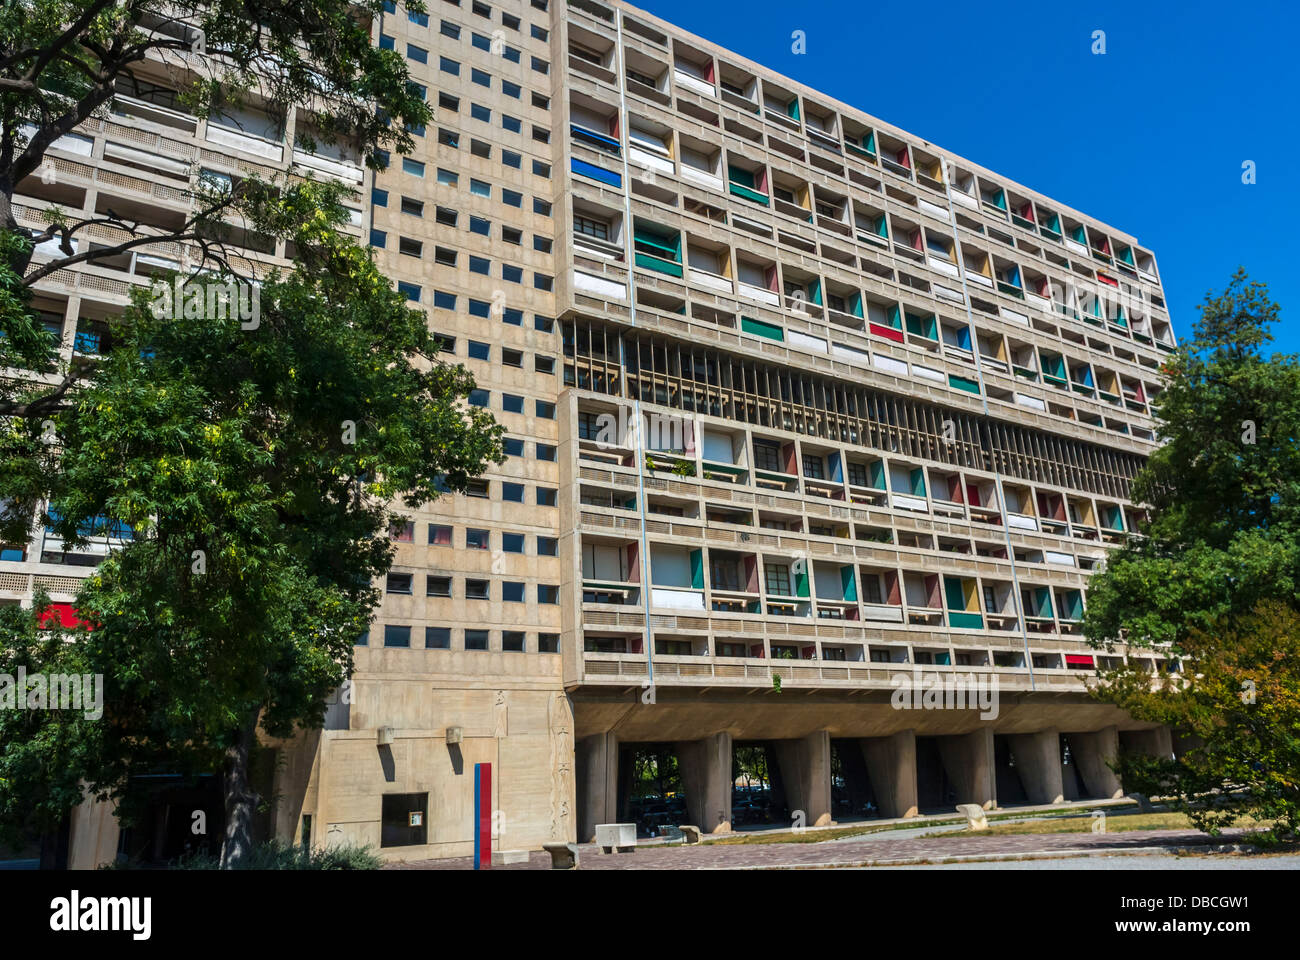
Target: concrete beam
(1038, 761)
(706, 779)
(891, 765)
(1093, 753)
(968, 762)
(806, 772)
(597, 766)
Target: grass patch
(1082, 823)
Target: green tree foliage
(255, 469)
(1223, 490)
(1239, 705)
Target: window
(544, 364)
(511, 123)
(548, 643)
(385, 42)
(481, 148)
(545, 325)
(419, 19)
(512, 641)
(418, 54)
(447, 65)
(542, 244)
(480, 226)
(512, 198)
(437, 638)
(409, 290)
(414, 167)
(378, 238)
(363, 639)
(446, 301)
(445, 343)
(512, 235)
(512, 403)
(546, 497)
(542, 282)
(548, 547)
(476, 590)
(379, 197)
(813, 468)
(512, 274)
(435, 586)
(479, 350)
(541, 101)
(476, 639)
(541, 169)
(512, 358)
(512, 591)
(447, 258)
(591, 226)
(481, 77)
(480, 189)
(512, 492)
(412, 207)
(479, 308)
(538, 33)
(448, 178)
(447, 102)
(546, 409)
(479, 489)
(546, 451)
(513, 447)
(403, 818)
(778, 579)
(482, 9)
(511, 89)
(541, 66)
(439, 535)
(511, 159)
(479, 398)
(548, 593)
(476, 539)
(448, 29)
(446, 216)
(767, 456)
(479, 112)
(395, 636)
(871, 589)
(399, 583)
(512, 542)
(480, 265)
(513, 316)
(410, 248)
(541, 206)
(448, 138)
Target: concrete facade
(798, 404)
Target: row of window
(439, 638)
(511, 492)
(512, 591)
(440, 535)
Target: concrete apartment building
(789, 393)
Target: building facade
(802, 411)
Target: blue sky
(1149, 137)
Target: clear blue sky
(1149, 137)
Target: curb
(1002, 857)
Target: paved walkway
(872, 850)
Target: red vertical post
(482, 816)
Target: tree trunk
(240, 799)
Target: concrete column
(706, 779)
(968, 762)
(1154, 743)
(1038, 761)
(597, 762)
(891, 765)
(1093, 753)
(806, 772)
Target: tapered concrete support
(706, 779)
(806, 773)
(1154, 743)
(891, 765)
(1038, 761)
(597, 762)
(968, 762)
(1093, 753)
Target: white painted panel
(1021, 522)
(1063, 559)
(947, 293)
(849, 353)
(942, 266)
(645, 158)
(886, 614)
(908, 503)
(717, 447)
(1014, 317)
(929, 373)
(797, 339)
(677, 599)
(692, 83)
(933, 209)
(1025, 400)
(600, 286)
(889, 364)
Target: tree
(1240, 707)
(63, 62)
(1222, 492)
(254, 470)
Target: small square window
(479, 350)
(479, 112)
(414, 167)
(548, 547)
(447, 102)
(512, 592)
(446, 301)
(512, 447)
(448, 138)
(379, 197)
(546, 451)
(512, 492)
(511, 159)
(548, 643)
(448, 65)
(476, 639)
(399, 583)
(418, 54)
(546, 497)
(512, 235)
(395, 636)
(481, 148)
(439, 535)
(409, 290)
(448, 178)
(541, 206)
(446, 344)
(540, 65)
(510, 123)
(402, 531)
(480, 188)
(412, 207)
(476, 590)
(480, 42)
(512, 90)
(544, 324)
(542, 282)
(446, 216)
(541, 101)
(476, 539)
(512, 198)
(378, 238)
(386, 42)
(437, 638)
(513, 316)
(544, 364)
(480, 226)
(481, 265)
(448, 29)
(512, 403)
(479, 398)
(542, 244)
(512, 274)
(437, 586)
(444, 256)
(546, 409)
(479, 489)
(512, 543)
(481, 77)
(548, 593)
(512, 641)
(410, 248)
(479, 308)
(512, 358)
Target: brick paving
(852, 852)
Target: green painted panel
(761, 329)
